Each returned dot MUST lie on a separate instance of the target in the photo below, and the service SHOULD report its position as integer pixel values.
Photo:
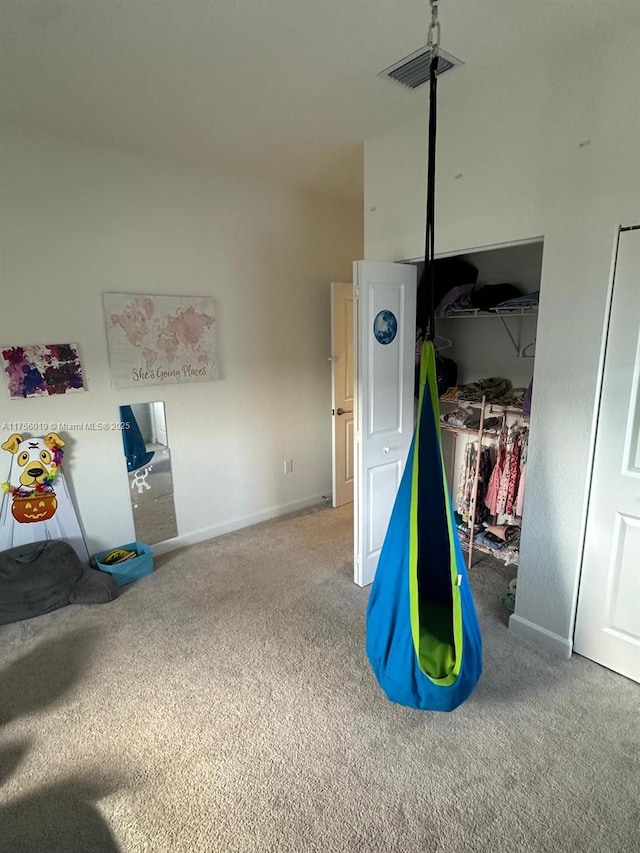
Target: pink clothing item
(503, 489)
(491, 498)
(521, 485)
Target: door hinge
(357, 291)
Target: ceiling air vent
(413, 70)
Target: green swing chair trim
(431, 623)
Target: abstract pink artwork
(42, 369)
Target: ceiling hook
(433, 40)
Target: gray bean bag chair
(43, 576)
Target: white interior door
(342, 379)
(384, 346)
(608, 617)
(159, 424)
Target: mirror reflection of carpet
(153, 508)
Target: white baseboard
(233, 524)
(547, 639)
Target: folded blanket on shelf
(492, 388)
(451, 395)
(504, 532)
(490, 295)
(529, 300)
(495, 389)
(489, 423)
(515, 398)
(458, 418)
(469, 419)
(457, 297)
(492, 543)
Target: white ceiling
(285, 89)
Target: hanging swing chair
(423, 637)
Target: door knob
(344, 411)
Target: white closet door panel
(608, 617)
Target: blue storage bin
(129, 570)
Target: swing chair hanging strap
(428, 321)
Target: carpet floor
(225, 703)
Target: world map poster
(160, 340)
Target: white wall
(515, 134)
(77, 220)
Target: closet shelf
(459, 313)
(498, 554)
(492, 408)
(503, 314)
(490, 433)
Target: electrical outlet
(288, 466)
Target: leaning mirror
(148, 461)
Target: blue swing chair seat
(423, 637)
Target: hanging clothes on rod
(523, 474)
(467, 479)
(491, 498)
(510, 478)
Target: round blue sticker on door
(385, 327)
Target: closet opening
(486, 320)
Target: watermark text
(67, 426)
